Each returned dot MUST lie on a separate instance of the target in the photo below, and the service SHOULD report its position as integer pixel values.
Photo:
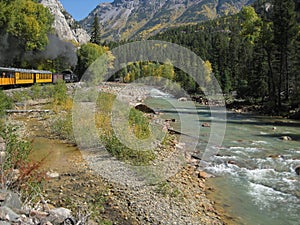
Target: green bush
(60, 93)
(166, 189)
(62, 127)
(121, 152)
(19, 96)
(36, 91)
(18, 173)
(139, 124)
(5, 103)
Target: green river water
(255, 180)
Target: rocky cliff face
(64, 25)
(126, 19)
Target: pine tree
(95, 37)
(284, 23)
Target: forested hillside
(255, 53)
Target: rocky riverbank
(181, 199)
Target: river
(255, 182)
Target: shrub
(60, 93)
(18, 173)
(120, 151)
(167, 189)
(5, 102)
(138, 123)
(19, 96)
(62, 126)
(36, 91)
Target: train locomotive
(11, 77)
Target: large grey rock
(64, 25)
(12, 200)
(63, 213)
(7, 213)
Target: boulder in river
(205, 125)
(182, 99)
(286, 138)
(297, 170)
(143, 108)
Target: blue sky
(79, 9)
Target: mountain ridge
(139, 19)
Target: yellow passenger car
(7, 76)
(42, 76)
(16, 76)
(23, 77)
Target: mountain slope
(127, 19)
(66, 28)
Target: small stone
(47, 223)
(38, 214)
(63, 212)
(3, 196)
(205, 125)
(52, 175)
(202, 175)
(182, 99)
(2, 146)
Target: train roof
(10, 69)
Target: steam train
(10, 77)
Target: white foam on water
(227, 157)
(293, 162)
(266, 197)
(252, 149)
(259, 143)
(279, 164)
(155, 93)
(236, 148)
(223, 169)
(292, 183)
(264, 133)
(242, 153)
(246, 149)
(261, 174)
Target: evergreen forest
(253, 54)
